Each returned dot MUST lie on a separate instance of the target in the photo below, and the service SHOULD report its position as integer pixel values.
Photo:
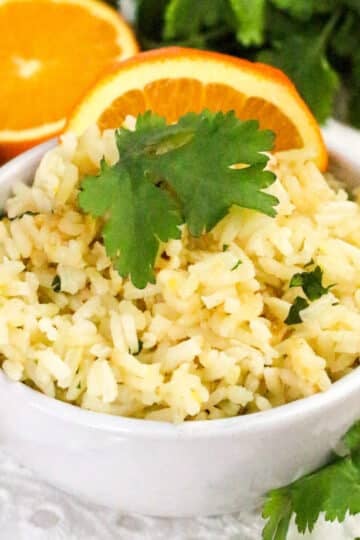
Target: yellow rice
(212, 334)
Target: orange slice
(51, 53)
(174, 81)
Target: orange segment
(173, 97)
(221, 97)
(271, 117)
(51, 53)
(132, 102)
(174, 81)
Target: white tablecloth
(33, 510)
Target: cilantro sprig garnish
(333, 490)
(311, 283)
(168, 175)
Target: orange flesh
(50, 54)
(173, 97)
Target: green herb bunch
(316, 42)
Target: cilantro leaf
(302, 9)
(219, 141)
(171, 174)
(149, 22)
(186, 18)
(345, 41)
(294, 311)
(138, 232)
(354, 108)
(277, 509)
(236, 265)
(140, 347)
(352, 438)
(140, 215)
(312, 74)
(354, 87)
(56, 284)
(311, 283)
(305, 9)
(250, 19)
(355, 4)
(333, 490)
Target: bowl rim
(254, 423)
(259, 422)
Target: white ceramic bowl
(197, 468)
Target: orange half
(174, 81)
(51, 53)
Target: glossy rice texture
(208, 339)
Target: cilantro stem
(327, 30)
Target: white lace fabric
(33, 510)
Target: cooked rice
(212, 334)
